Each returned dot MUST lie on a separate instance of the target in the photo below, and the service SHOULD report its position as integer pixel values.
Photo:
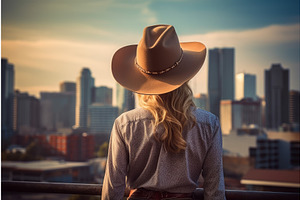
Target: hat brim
(129, 76)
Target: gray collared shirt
(137, 159)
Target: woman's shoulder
(134, 115)
(207, 121)
(203, 116)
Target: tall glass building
(245, 86)
(84, 86)
(67, 86)
(277, 96)
(57, 110)
(7, 98)
(26, 118)
(220, 77)
(294, 107)
(125, 99)
(102, 95)
(102, 118)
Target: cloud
(256, 50)
(57, 60)
(82, 32)
(86, 21)
(275, 34)
(150, 17)
(37, 53)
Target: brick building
(73, 147)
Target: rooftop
(44, 165)
(267, 177)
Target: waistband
(156, 195)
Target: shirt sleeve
(214, 187)
(116, 167)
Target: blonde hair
(174, 111)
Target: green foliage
(11, 156)
(103, 149)
(34, 151)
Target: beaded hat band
(159, 72)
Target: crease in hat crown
(159, 50)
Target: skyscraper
(220, 77)
(294, 107)
(102, 95)
(102, 118)
(125, 99)
(245, 86)
(26, 117)
(84, 85)
(68, 87)
(277, 96)
(57, 110)
(7, 96)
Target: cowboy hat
(159, 63)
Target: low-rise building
(73, 147)
(200, 101)
(272, 180)
(49, 171)
(238, 145)
(276, 150)
(237, 114)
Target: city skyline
(50, 41)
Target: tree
(103, 149)
(34, 151)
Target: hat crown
(159, 48)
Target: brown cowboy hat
(159, 63)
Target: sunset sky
(50, 41)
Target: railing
(95, 189)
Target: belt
(156, 195)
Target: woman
(160, 149)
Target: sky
(50, 41)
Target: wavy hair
(174, 111)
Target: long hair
(174, 111)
